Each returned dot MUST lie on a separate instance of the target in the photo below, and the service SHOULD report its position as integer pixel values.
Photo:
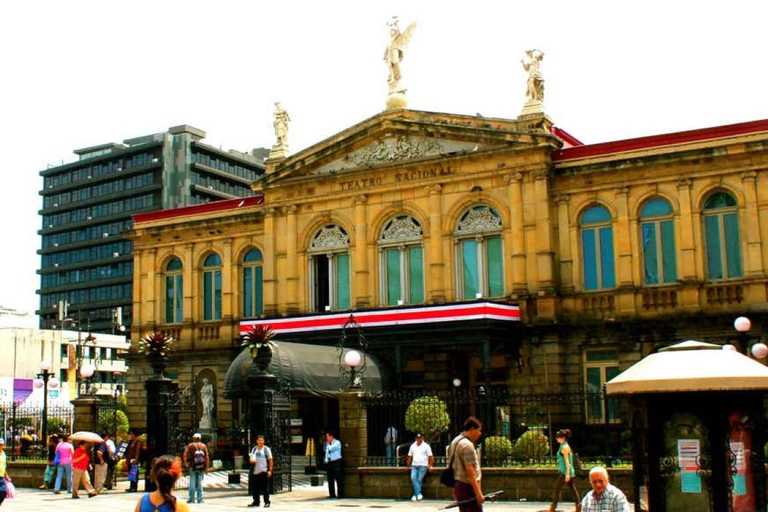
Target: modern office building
(86, 270)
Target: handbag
(10, 489)
(56, 458)
(133, 474)
(448, 476)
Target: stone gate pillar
(353, 434)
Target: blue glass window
(174, 292)
(597, 249)
(402, 262)
(721, 232)
(253, 284)
(212, 287)
(658, 241)
(480, 258)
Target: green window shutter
(469, 269)
(342, 281)
(495, 267)
(392, 257)
(416, 274)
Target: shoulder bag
(448, 476)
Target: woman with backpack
(566, 470)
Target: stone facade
(529, 185)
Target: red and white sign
(382, 317)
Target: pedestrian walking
(100, 457)
(164, 473)
(49, 477)
(111, 460)
(81, 462)
(566, 471)
(421, 461)
(197, 461)
(132, 455)
(263, 465)
(604, 496)
(333, 465)
(63, 458)
(3, 471)
(466, 466)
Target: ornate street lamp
(758, 349)
(352, 363)
(45, 379)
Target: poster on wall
(739, 480)
(688, 452)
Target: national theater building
(500, 252)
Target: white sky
(79, 73)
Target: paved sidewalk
(303, 498)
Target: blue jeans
(196, 485)
(61, 469)
(391, 452)
(417, 476)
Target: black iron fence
(23, 426)
(518, 428)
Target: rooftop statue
(535, 89)
(281, 126)
(398, 42)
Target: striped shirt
(612, 500)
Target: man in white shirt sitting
(420, 460)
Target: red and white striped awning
(384, 317)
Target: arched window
(657, 230)
(597, 249)
(253, 284)
(721, 231)
(212, 287)
(174, 292)
(402, 262)
(329, 269)
(479, 258)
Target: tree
(428, 415)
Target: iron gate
(180, 409)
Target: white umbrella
(88, 437)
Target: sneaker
(266, 505)
(253, 504)
(56, 491)
(414, 498)
(419, 497)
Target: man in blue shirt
(333, 463)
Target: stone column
(360, 283)
(353, 426)
(622, 239)
(270, 263)
(518, 252)
(687, 267)
(564, 234)
(436, 259)
(86, 415)
(229, 307)
(544, 254)
(753, 260)
(291, 261)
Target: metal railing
(22, 427)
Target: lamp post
(44, 379)
(86, 372)
(758, 349)
(456, 385)
(352, 363)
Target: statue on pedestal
(208, 400)
(534, 91)
(393, 55)
(281, 120)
